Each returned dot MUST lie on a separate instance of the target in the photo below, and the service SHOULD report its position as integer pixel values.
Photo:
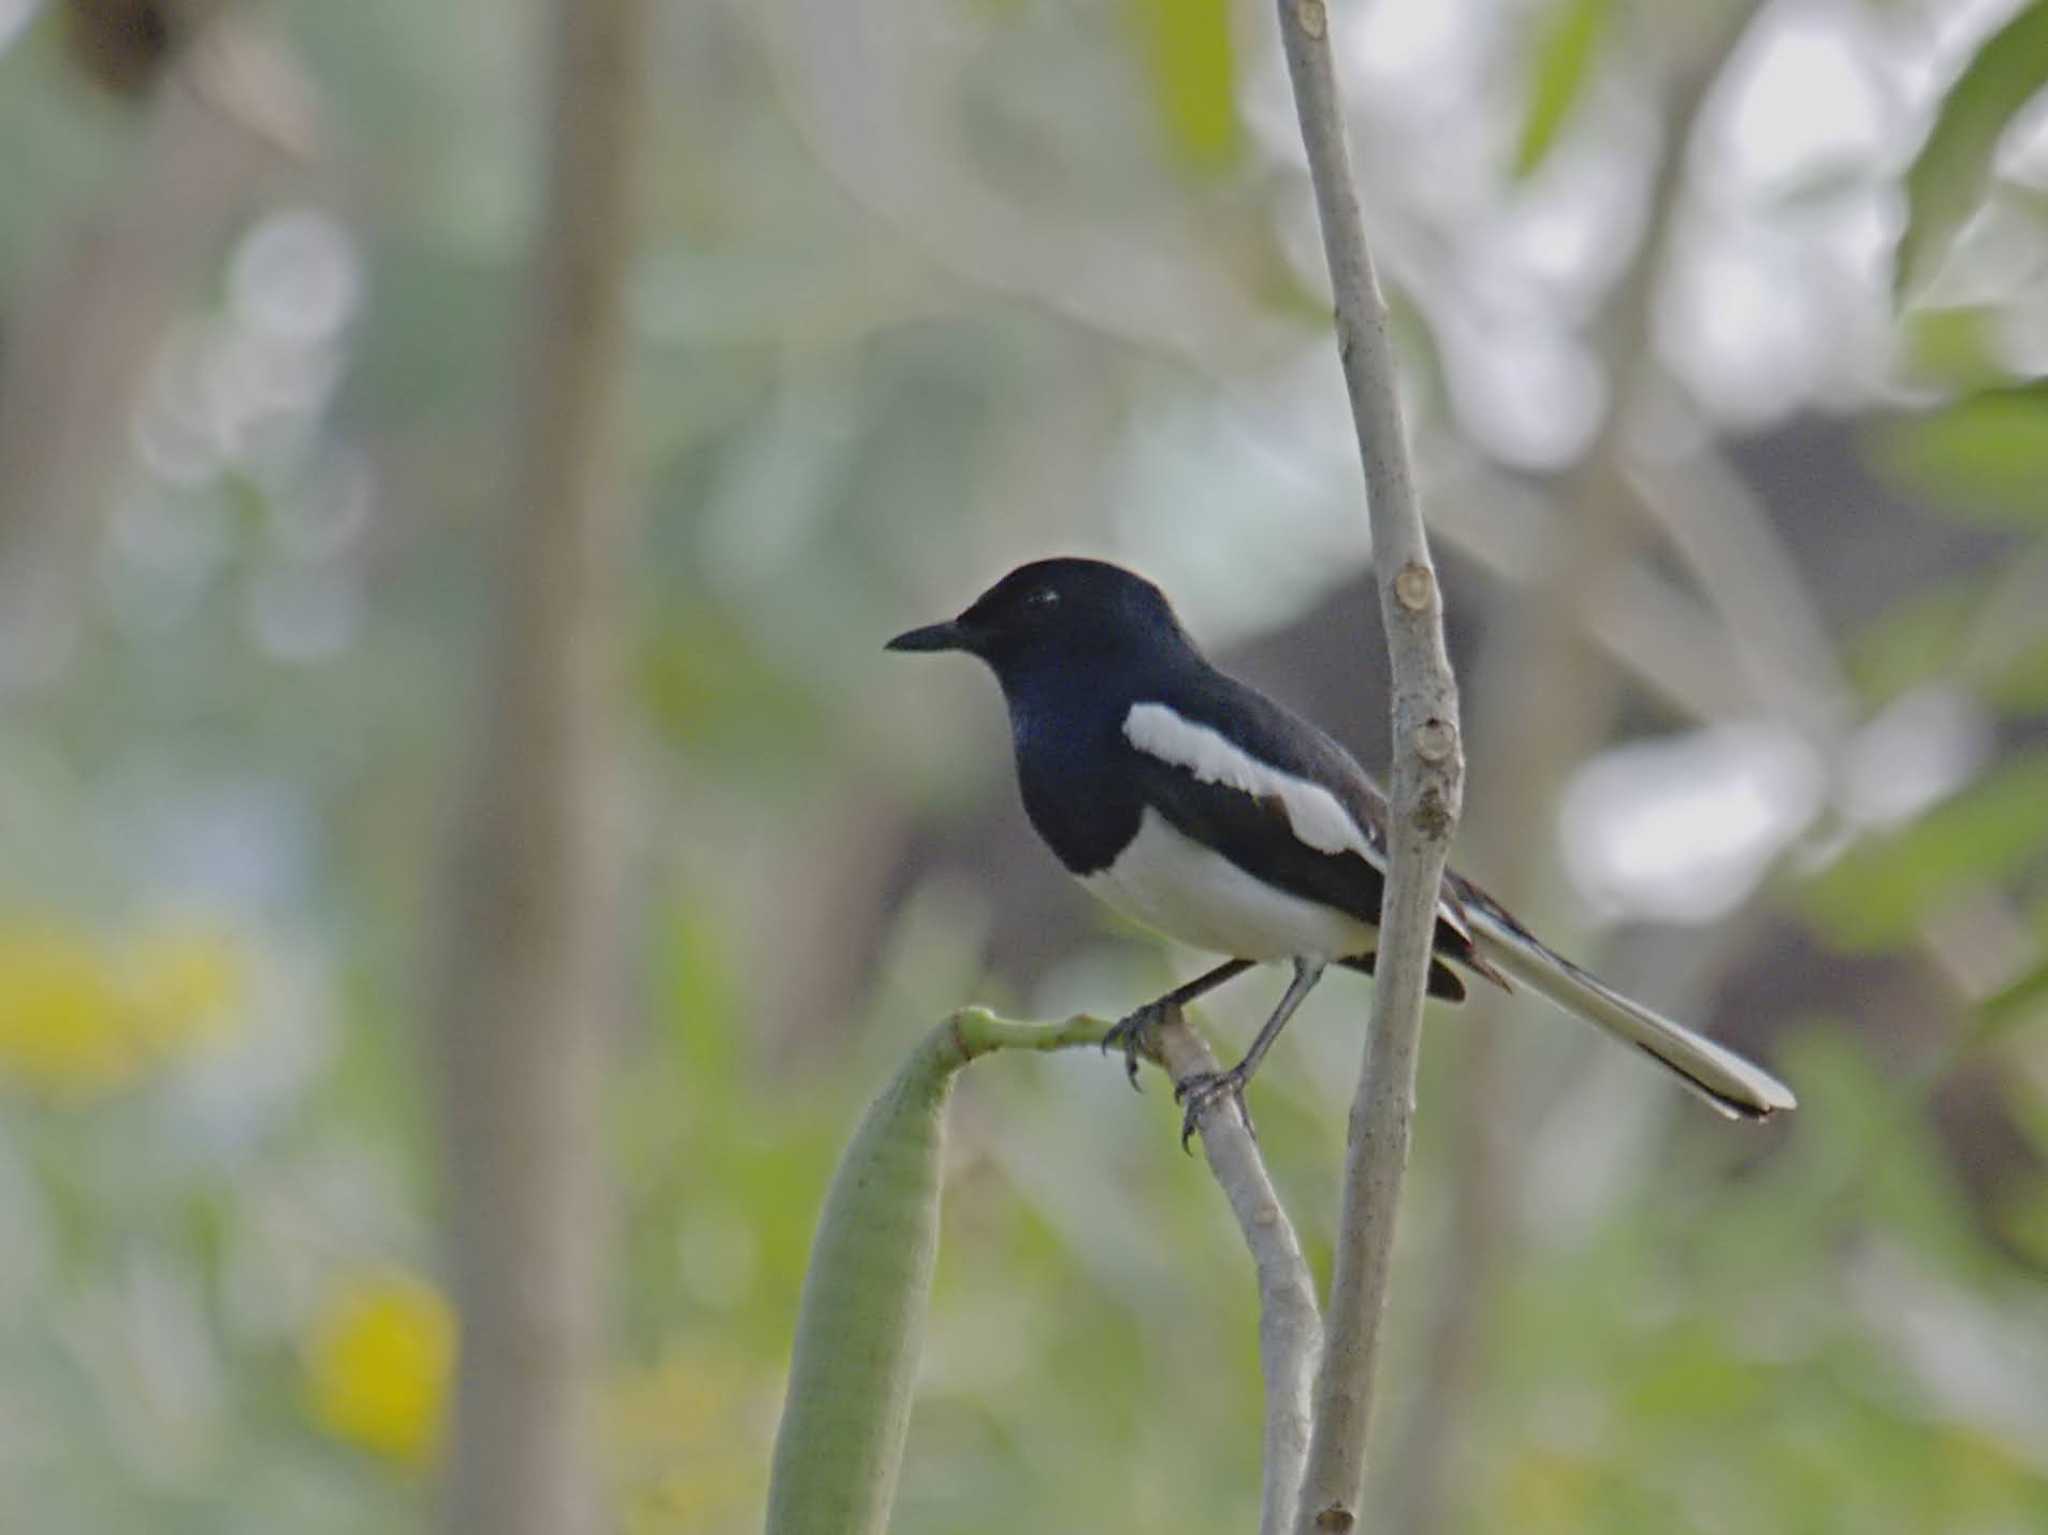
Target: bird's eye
(1044, 597)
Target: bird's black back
(1086, 786)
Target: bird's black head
(1059, 613)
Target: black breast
(1068, 769)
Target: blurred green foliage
(219, 1303)
(1568, 38)
(1988, 452)
(1951, 173)
(1194, 70)
(1876, 894)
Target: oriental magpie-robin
(1206, 811)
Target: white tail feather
(1720, 1076)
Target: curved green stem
(975, 1031)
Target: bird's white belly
(1175, 886)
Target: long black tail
(1736, 1087)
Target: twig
(1428, 769)
(1290, 1329)
(537, 867)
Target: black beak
(946, 636)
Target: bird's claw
(1128, 1034)
(1202, 1090)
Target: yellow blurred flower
(63, 1028)
(184, 983)
(80, 1018)
(378, 1364)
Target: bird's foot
(1203, 1090)
(1132, 1036)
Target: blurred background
(1726, 327)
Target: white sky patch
(1186, 470)
(1405, 50)
(1779, 299)
(1735, 326)
(1804, 98)
(1955, 29)
(1575, 229)
(2026, 146)
(297, 276)
(1530, 393)
(14, 15)
(1681, 829)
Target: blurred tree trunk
(537, 876)
(210, 139)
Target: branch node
(1423, 797)
(1433, 817)
(1416, 587)
(1290, 1327)
(1435, 740)
(956, 1031)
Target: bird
(1202, 809)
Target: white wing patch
(1316, 815)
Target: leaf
(1915, 641)
(1948, 178)
(1560, 66)
(2020, 686)
(1955, 348)
(1193, 73)
(2019, 1002)
(1873, 894)
(1989, 452)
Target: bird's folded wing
(1275, 796)
(1256, 833)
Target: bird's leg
(1203, 1088)
(1130, 1032)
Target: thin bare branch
(1426, 779)
(1290, 1328)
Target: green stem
(975, 1031)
